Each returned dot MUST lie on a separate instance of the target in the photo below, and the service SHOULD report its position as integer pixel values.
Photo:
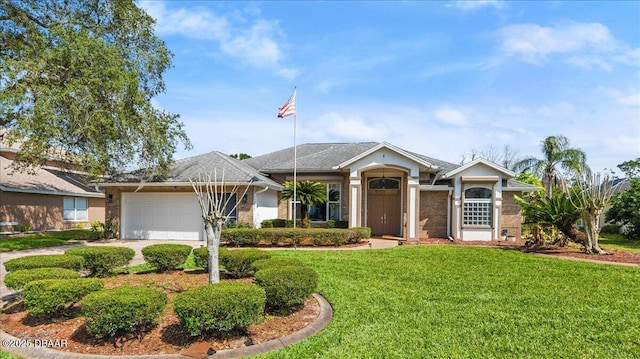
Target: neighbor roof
(324, 157)
(43, 180)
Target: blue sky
(437, 78)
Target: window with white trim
(331, 209)
(478, 207)
(75, 209)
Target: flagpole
(295, 159)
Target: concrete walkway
(7, 294)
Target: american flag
(289, 107)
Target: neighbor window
(76, 209)
(230, 211)
(478, 207)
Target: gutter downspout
(255, 202)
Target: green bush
(610, 229)
(45, 261)
(276, 262)
(19, 278)
(200, 256)
(121, 310)
(101, 260)
(242, 237)
(238, 262)
(219, 307)
(51, 296)
(280, 223)
(252, 237)
(166, 256)
(287, 286)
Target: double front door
(384, 212)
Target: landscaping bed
(166, 337)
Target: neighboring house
(46, 197)
(395, 192)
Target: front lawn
(619, 243)
(39, 240)
(455, 301)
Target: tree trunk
(213, 243)
(592, 229)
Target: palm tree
(556, 154)
(308, 193)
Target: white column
(354, 202)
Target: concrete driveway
(7, 294)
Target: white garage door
(161, 216)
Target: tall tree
(308, 193)
(625, 206)
(557, 155)
(77, 80)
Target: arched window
(384, 183)
(478, 207)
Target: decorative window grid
(478, 212)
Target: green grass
(466, 302)
(619, 243)
(5, 355)
(40, 240)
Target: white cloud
(469, 5)
(254, 41)
(451, 116)
(334, 125)
(534, 43)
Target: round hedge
(50, 296)
(101, 260)
(45, 261)
(166, 257)
(287, 286)
(219, 307)
(276, 262)
(122, 310)
(200, 256)
(239, 261)
(19, 278)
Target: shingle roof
(320, 157)
(44, 180)
(235, 171)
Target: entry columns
(355, 202)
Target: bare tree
(506, 158)
(591, 196)
(214, 204)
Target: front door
(384, 207)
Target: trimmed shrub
(238, 262)
(101, 260)
(294, 236)
(166, 256)
(606, 229)
(51, 296)
(19, 278)
(280, 223)
(276, 262)
(287, 286)
(219, 307)
(121, 310)
(45, 261)
(200, 256)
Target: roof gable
(390, 147)
(480, 161)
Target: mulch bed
(167, 337)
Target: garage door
(161, 216)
